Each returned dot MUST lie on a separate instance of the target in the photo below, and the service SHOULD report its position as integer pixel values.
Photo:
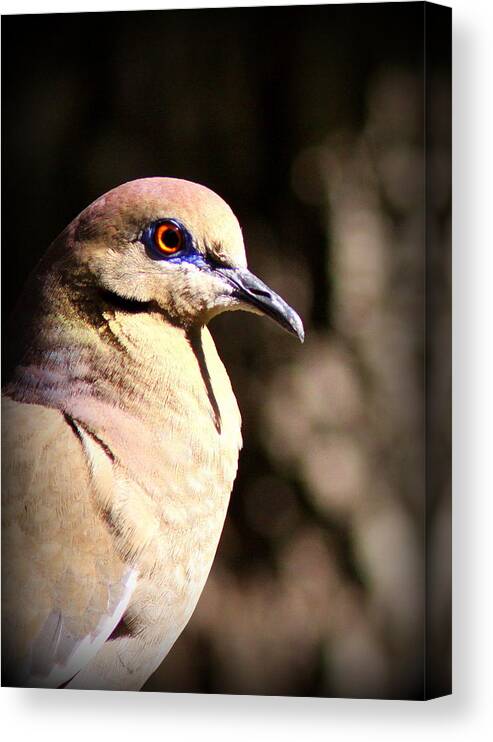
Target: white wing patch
(57, 655)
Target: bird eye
(168, 238)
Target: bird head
(169, 243)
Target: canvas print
(226, 351)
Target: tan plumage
(120, 436)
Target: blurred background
(309, 122)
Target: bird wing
(64, 587)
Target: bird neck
(84, 344)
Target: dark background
(309, 122)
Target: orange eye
(168, 238)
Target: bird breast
(153, 410)
(160, 418)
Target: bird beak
(251, 290)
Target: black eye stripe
(187, 253)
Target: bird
(120, 433)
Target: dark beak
(251, 290)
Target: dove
(120, 434)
